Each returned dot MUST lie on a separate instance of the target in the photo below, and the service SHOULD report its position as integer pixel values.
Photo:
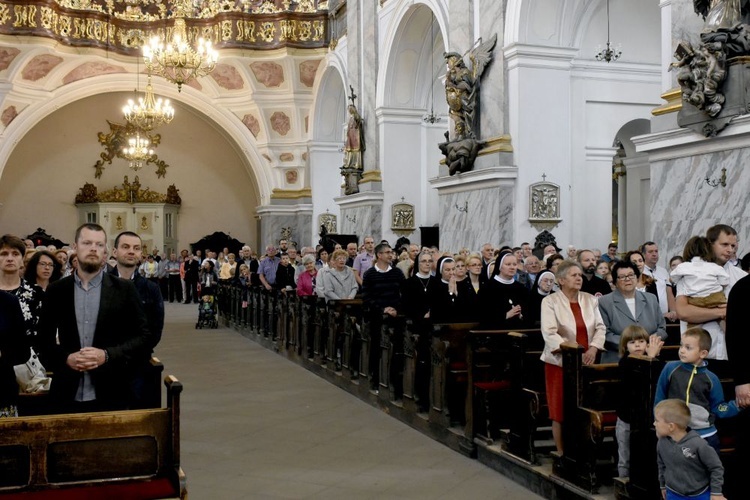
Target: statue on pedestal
(354, 146)
(712, 74)
(462, 94)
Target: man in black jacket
(102, 330)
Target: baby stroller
(207, 312)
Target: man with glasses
(381, 295)
(626, 306)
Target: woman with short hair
(569, 315)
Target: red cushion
(457, 365)
(500, 385)
(609, 418)
(142, 490)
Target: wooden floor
(255, 425)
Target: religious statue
(703, 69)
(354, 147)
(462, 94)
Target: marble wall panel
(488, 218)
(684, 205)
(362, 221)
(492, 90)
(271, 225)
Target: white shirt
(699, 278)
(735, 274)
(662, 280)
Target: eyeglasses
(626, 277)
(49, 265)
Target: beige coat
(558, 324)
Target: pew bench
(590, 399)
(133, 455)
(37, 403)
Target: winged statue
(462, 86)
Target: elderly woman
(644, 283)
(625, 306)
(568, 316)
(543, 286)
(338, 281)
(43, 269)
(307, 278)
(502, 300)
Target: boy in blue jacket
(690, 380)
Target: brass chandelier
(177, 60)
(150, 112)
(139, 150)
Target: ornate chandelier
(177, 60)
(138, 151)
(150, 112)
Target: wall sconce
(351, 219)
(721, 181)
(464, 209)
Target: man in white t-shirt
(723, 241)
(650, 252)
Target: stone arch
(326, 137)
(575, 23)
(329, 110)
(220, 118)
(411, 66)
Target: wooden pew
(131, 454)
(449, 377)
(589, 407)
(496, 402)
(529, 389)
(37, 403)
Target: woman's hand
(513, 312)
(452, 288)
(590, 355)
(654, 346)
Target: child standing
(688, 467)
(690, 380)
(633, 341)
(703, 281)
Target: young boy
(688, 466)
(690, 381)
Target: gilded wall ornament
(402, 217)
(127, 192)
(329, 222)
(116, 139)
(544, 205)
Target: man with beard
(102, 331)
(591, 283)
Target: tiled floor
(257, 426)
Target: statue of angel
(462, 87)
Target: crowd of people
(67, 307)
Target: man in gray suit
(626, 306)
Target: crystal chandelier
(150, 112)
(138, 151)
(608, 53)
(177, 60)
(431, 117)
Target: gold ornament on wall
(117, 139)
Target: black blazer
(14, 346)
(121, 329)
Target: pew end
(132, 454)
